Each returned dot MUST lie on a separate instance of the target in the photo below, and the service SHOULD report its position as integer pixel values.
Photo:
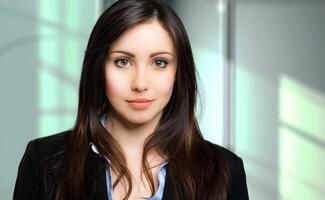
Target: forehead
(147, 36)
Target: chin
(141, 118)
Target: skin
(141, 63)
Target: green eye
(160, 63)
(121, 62)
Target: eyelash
(127, 60)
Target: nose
(139, 82)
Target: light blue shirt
(161, 175)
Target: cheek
(115, 83)
(164, 84)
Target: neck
(130, 136)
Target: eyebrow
(132, 55)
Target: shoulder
(229, 156)
(53, 140)
(45, 146)
(45, 150)
(237, 176)
(234, 162)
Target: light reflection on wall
(61, 46)
(301, 141)
(255, 128)
(210, 83)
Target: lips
(140, 100)
(139, 103)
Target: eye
(121, 62)
(160, 63)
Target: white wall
(280, 97)
(24, 53)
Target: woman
(136, 135)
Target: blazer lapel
(168, 191)
(95, 177)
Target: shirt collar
(94, 149)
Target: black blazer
(39, 169)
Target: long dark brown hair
(191, 162)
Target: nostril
(139, 89)
(140, 83)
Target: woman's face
(140, 66)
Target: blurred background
(261, 79)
